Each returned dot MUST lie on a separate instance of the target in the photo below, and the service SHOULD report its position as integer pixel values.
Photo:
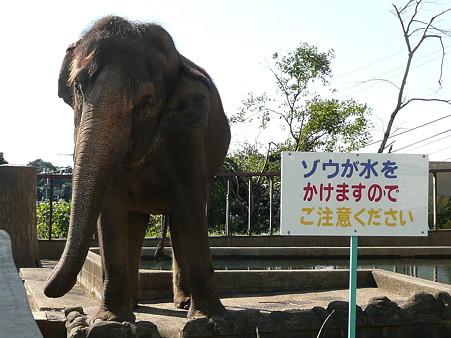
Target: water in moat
(438, 270)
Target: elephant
(150, 134)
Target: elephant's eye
(143, 107)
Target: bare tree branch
(382, 80)
(425, 100)
(427, 30)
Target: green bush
(61, 217)
(154, 227)
(443, 213)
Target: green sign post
(352, 286)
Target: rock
(422, 308)
(107, 329)
(321, 313)
(78, 309)
(195, 327)
(219, 326)
(445, 298)
(78, 332)
(234, 322)
(79, 322)
(76, 322)
(77, 327)
(382, 312)
(293, 320)
(73, 316)
(146, 329)
(245, 321)
(339, 318)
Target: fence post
(434, 200)
(50, 198)
(250, 208)
(227, 210)
(271, 197)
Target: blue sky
(231, 40)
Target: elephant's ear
(65, 90)
(189, 105)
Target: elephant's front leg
(182, 294)
(113, 240)
(137, 224)
(190, 224)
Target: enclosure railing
(247, 177)
(250, 182)
(49, 193)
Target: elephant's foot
(207, 308)
(121, 315)
(182, 297)
(182, 302)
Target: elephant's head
(120, 78)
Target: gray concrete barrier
(16, 319)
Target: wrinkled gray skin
(150, 133)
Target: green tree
(311, 123)
(2, 159)
(42, 166)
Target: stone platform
(275, 314)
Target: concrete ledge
(323, 252)
(157, 284)
(439, 238)
(406, 286)
(16, 318)
(90, 276)
(34, 281)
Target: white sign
(350, 194)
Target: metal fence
(269, 182)
(236, 214)
(46, 189)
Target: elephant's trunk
(101, 142)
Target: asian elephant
(150, 134)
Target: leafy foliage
(60, 217)
(154, 227)
(443, 213)
(42, 166)
(61, 220)
(334, 126)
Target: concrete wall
(53, 249)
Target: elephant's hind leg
(137, 224)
